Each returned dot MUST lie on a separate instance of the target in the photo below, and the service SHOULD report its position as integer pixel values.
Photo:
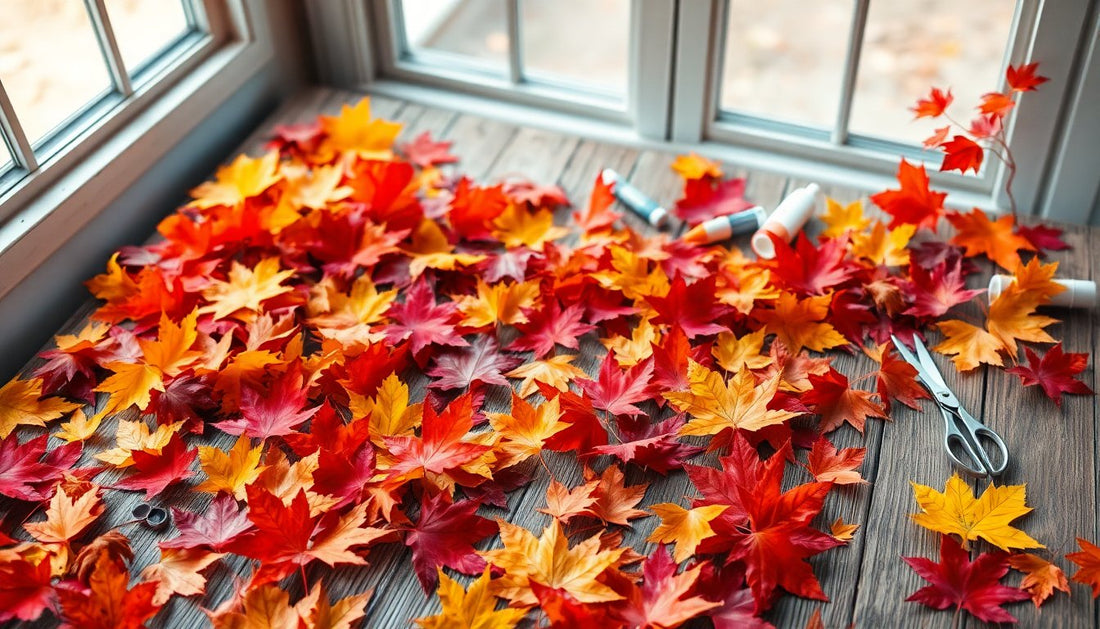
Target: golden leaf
(716, 405)
(20, 405)
(685, 527)
(957, 512)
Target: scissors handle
(963, 432)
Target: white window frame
(677, 102)
(75, 182)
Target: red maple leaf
(694, 308)
(585, 431)
(346, 472)
(828, 464)
(1043, 237)
(422, 321)
(439, 448)
(598, 215)
(382, 189)
(27, 471)
(985, 126)
(936, 291)
(849, 315)
(424, 152)
(26, 588)
(837, 403)
(963, 584)
(997, 104)
(296, 139)
(665, 598)
(349, 241)
(156, 470)
(552, 325)
(809, 270)
(1054, 372)
(473, 209)
(564, 611)
(215, 527)
(444, 535)
(705, 198)
(531, 193)
(897, 381)
(107, 602)
(187, 399)
(615, 390)
(651, 445)
(914, 203)
(1022, 78)
(670, 362)
(328, 431)
(934, 104)
(274, 412)
(763, 527)
(363, 373)
(480, 362)
(961, 154)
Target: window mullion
(851, 71)
(108, 45)
(515, 43)
(14, 136)
(696, 67)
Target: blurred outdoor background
(783, 58)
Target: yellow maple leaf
(525, 429)
(549, 560)
(115, 284)
(179, 571)
(882, 246)
(474, 608)
(21, 404)
(67, 515)
(516, 227)
(801, 323)
(171, 353)
(135, 435)
(131, 384)
(695, 166)
(230, 471)
(264, 606)
(389, 410)
(969, 345)
(716, 405)
(743, 285)
(839, 218)
(240, 180)
(349, 317)
(314, 188)
(685, 527)
(78, 428)
(245, 289)
(1038, 278)
(501, 302)
(631, 351)
(430, 249)
(89, 336)
(556, 371)
(630, 273)
(842, 531)
(1012, 317)
(734, 354)
(957, 512)
(354, 131)
(317, 613)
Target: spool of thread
(1078, 293)
(786, 221)
(634, 199)
(723, 227)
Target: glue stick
(1078, 293)
(635, 199)
(786, 221)
(723, 227)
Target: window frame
(73, 184)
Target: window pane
(909, 47)
(585, 41)
(143, 28)
(49, 61)
(784, 59)
(471, 28)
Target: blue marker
(635, 199)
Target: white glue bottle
(786, 221)
(1078, 293)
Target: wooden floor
(1053, 451)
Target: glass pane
(910, 47)
(585, 41)
(143, 28)
(471, 28)
(784, 59)
(49, 61)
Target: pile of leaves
(361, 347)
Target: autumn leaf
(550, 326)
(441, 450)
(935, 291)
(274, 412)
(1012, 318)
(695, 166)
(716, 405)
(684, 527)
(389, 412)
(444, 535)
(1022, 78)
(21, 404)
(963, 584)
(837, 403)
(694, 308)
(355, 131)
(474, 208)
(28, 471)
(934, 104)
(564, 504)
(556, 371)
(734, 354)
(913, 203)
(961, 154)
(996, 239)
(78, 428)
(896, 381)
(245, 289)
(956, 511)
(807, 269)
(67, 515)
(665, 599)
(1088, 558)
(481, 362)
(969, 345)
(652, 445)
(707, 198)
(240, 180)
(1054, 372)
(1041, 577)
(842, 531)
(801, 323)
(154, 470)
(26, 588)
(422, 322)
(549, 560)
(135, 435)
(424, 152)
(500, 303)
(179, 572)
(516, 227)
(230, 471)
(828, 464)
(108, 602)
(474, 607)
(525, 429)
(614, 501)
(996, 104)
(615, 390)
(841, 219)
(215, 527)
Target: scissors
(963, 430)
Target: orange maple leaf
(801, 323)
(996, 239)
(1041, 576)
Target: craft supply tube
(786, 221)
(1078, 293)
(635, 199)
(722, 227)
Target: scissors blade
(928, 380)
(929, 366)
